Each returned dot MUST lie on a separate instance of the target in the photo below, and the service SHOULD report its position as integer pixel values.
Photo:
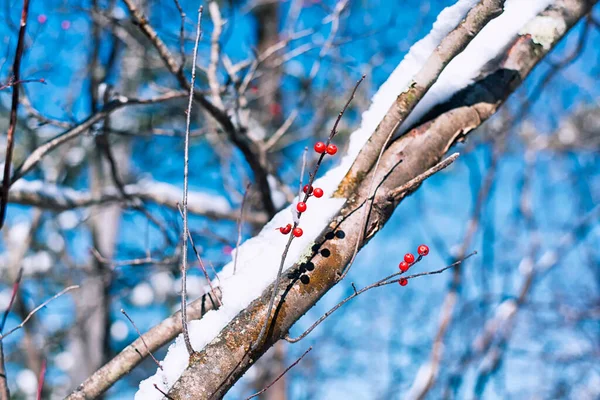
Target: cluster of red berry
(320, 148)
(409, 260)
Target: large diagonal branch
(227, 357)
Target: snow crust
(259, 257)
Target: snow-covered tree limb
(52, 197)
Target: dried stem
(280, 375)
(12, 125)
(413, 183)
(186, 335)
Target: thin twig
(306, 196)
(280, 375)
(410, 185)
(12, 83)
(44, 304)
(141, 337)
(12, 125)
(163, 393)
(382, 282)
(240, 222)
(186, 335)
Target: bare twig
(413, 183)
(12, 125)
(239, 235)
(280, 375)
(186, 335)
(32, 312)
(163, 393)
(142, 338)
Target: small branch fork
(394, 278)
(12, 125)
(280, 375)
(186, 335)
(296, 222)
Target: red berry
(320, 147)
(307, 189)
(286, 229)
(403, 282)
(331, 149)
(423, 250)
(404, 266)
(297, 232)
(318, 192)
(409, 258)
(301, 206)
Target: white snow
(27, 381)
(119, 330)
(37, 263)
(259, 257)
(142, 294)
(64, 361)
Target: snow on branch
(58, 198)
